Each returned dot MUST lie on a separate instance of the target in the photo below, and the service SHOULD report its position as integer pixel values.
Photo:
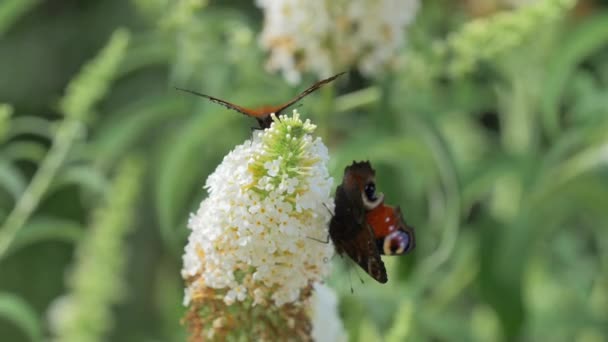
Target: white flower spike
(254, 241)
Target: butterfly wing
(262, 115)
(221, 102)
(309, 90)
(352, 235)
(407, 229)
(362, 249)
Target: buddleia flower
(258, 242)
(324, 37)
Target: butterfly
(262, 114)
(363, 227)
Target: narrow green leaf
(86, 177)
(590, 36)
(18, 311)
(12, 10)
(452, 197)
(168, 295)
(390, 150)
(5, 113)
(368, 332)
(93, 81)
(402, 324)
(146, 50)
(89, 86)
(43, 229)
(11, 179)
(26, 150)
(33, 125)
(130, 124)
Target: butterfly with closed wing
(363, 227)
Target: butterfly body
(263, 114)
(363, 227)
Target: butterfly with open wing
(262, 114)
(364, 227)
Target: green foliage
(487, 38)
(585, 38)
(12, 10)
(83, 92)
(493, 141)
(93, 81)
(96, 281)
(18, 311)
(5, 113)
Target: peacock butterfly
(364, 227)
(262, 114)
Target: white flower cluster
(332, 35)
(256, 235)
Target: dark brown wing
(363, 250)
(226, 104)
(309, 90)
(353, 236)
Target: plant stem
(66, 134)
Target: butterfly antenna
(191, 92)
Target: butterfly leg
(252, 130)
(326, 241)
(330, 212)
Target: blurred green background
(493, 139)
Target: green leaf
(18, 311)
(146, 50)
(130, 124)
(501, 268)
(11, 179)
(83, 92)
(12, 10)
(92, 83)
(479, 182)
(402, 323)
(86, 177)
(5, 113)
(448, 174)
(389, 150)
(31, 125)
(168, 297)
(42, 229)
(590, 36)
(26, 150)
(368, 331)
(576, 153)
